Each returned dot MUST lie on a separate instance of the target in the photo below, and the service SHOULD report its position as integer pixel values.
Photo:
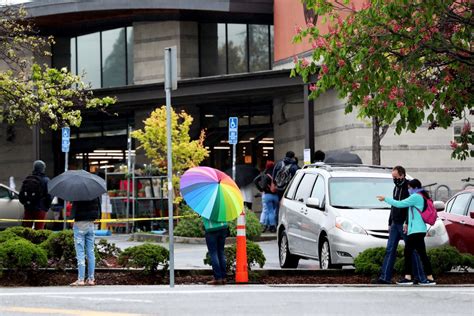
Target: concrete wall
(150, 40)
(426, 154)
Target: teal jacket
(415, 222)
(210, 226)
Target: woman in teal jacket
(415, 230)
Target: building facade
(234, 59)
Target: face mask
(398, 182)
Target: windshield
(359, 192)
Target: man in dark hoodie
(398, 216)
(283, 172)
(38, 209)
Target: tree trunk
(377, 134)
(375, 141)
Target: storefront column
(308, 121)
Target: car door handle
(462, 222)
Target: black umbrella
(77, 185)
(244, 174)
(343, 157)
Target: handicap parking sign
(65, 139)
(233, 130)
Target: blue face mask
(413, 191)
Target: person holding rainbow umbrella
(215, 196)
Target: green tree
(187, 153)
(35, 93)
(398, 62)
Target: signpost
(171, 83)
(233, 139)
(65, 143)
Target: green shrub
(147, 256)
(443, 259)
(60, 249)
(21, 254)
(35, 236)
(7, 235)
(190, 226)
(104, 249)
(255, 256)
(253, 228)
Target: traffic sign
(65, 141)
(233, 130)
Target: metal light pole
(171, 83)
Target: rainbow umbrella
(211, 193)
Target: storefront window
(258, 47)
(88, 58)
(237, 47)
(104, 58)
(213, 49)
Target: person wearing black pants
(417, 242)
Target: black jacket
(86, 210)
(45, 201)
(399, 215)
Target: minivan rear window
(351, 192)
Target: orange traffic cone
(241, 269)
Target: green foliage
(35, 236)
(7, 235)
(104, 249)
(255, 256)
(395, 61)
(190, 226)
(187, 153)
(253, 229)
(33, 93)
(443, 259)
(21, 254)
(60, 249)
(147, 256)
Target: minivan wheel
(325, 256)
(287, 260)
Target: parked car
(330, 213)
(458, 218)
(12, 210)
(10, 207)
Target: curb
(146, 237)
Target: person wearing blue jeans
(216, 233)
(84, 214)
(270, 204)
(398, 217)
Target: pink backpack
(429, 215)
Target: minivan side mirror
(439, 205)
(313, 203)
(471, 214)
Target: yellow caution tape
(110, 220)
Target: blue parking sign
(65, 139)
(233, 130)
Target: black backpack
(31, 192)
(283, 177)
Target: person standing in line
(34, 196)
(216, 234)
(319, 156)
(84, 214)
(269, 199)
(283, 172)
(398, 216)
(415, 228)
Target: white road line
(114, 299)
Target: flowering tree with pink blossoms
(398, 62)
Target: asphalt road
(237, 300)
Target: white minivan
(330, 213)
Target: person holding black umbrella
(84, 214)
(83, 190)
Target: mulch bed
(124, 277)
